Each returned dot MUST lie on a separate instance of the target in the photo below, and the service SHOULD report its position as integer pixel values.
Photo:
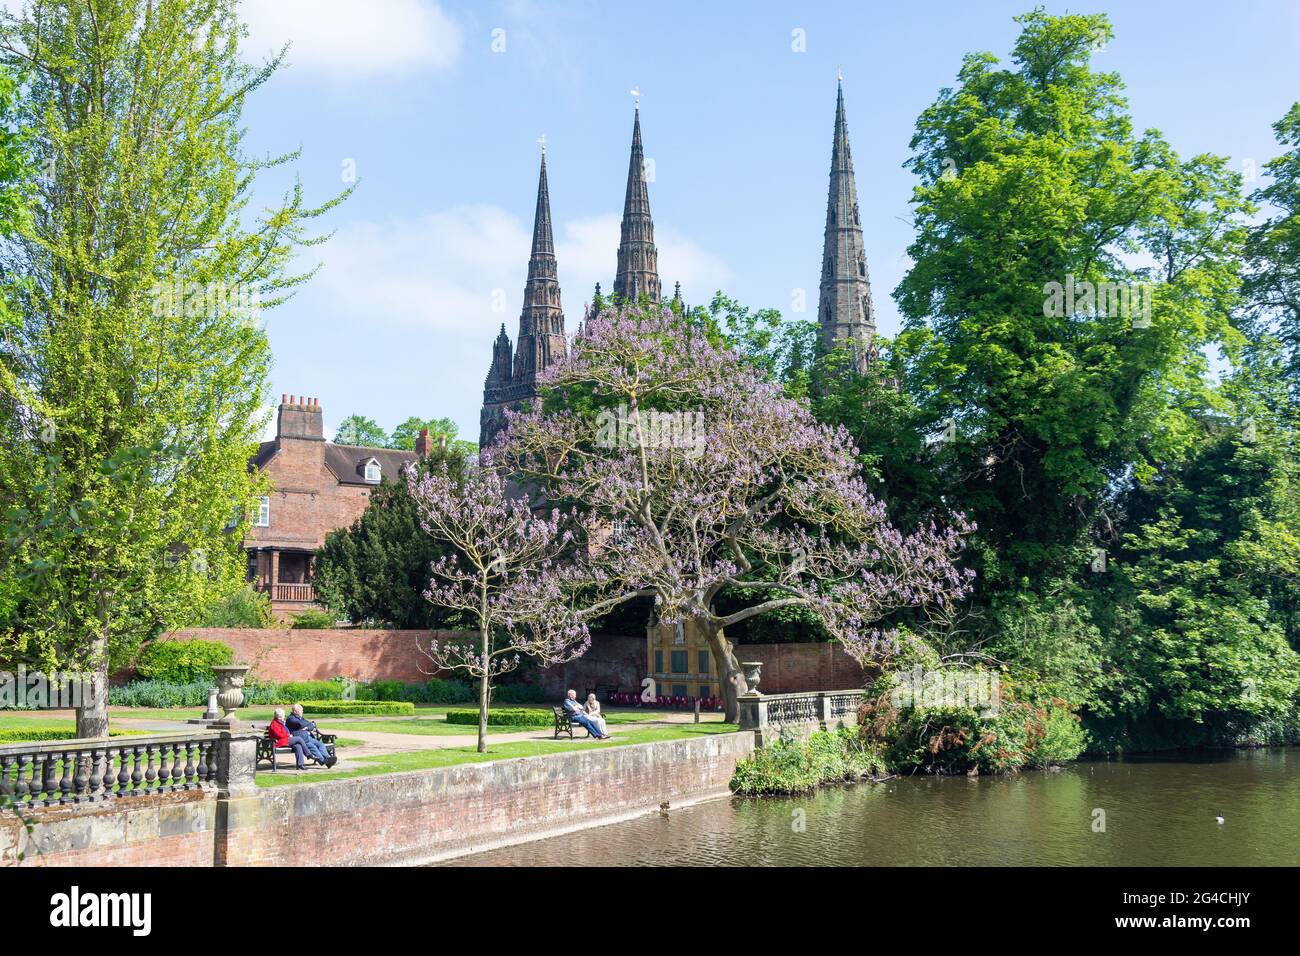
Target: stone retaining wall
(404, 818)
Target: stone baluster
(110, 774)
(65, 781)
(188, 779)
(81, 764)
(151, 773)
(178, 770)
(49, 782)
(137, 772)
(7, 787)
(22, 789)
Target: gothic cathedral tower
(844, 310)
(541, 328)
(638, 259)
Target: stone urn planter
(230, 691)
(753, 674)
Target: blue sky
(437, 108)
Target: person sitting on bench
(300, 726)
(281, 737)
(577, 716)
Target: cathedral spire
(638, 260)
(541, 321)
(844, 310)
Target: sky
(434, 110)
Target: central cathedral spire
(844, 309)
(541, 321)
(541, 327)
(638, 260)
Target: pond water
(1157, 812)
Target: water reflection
(1156, 813)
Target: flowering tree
(502, 574)
(710, 476)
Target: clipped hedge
(182, 662)
(505, 717)
(347, 708)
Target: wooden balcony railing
(301, 593)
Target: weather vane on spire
(636, 93)
(542, 139)
(839, 75)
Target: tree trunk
(92, 712)
(731, 674)
(483, 695)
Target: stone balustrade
(770, 716)
(89, 771)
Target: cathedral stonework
(845, 313)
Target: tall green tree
(1272, 287)
(1033, 181)
(138, 364)
(441, 430)
(359, 430)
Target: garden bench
(564, 723)
(267, 751)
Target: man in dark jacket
(302, 728)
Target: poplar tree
(137, 362)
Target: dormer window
(372, 472)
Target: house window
(704, 690)
(679, 663)
(659, 662)
(679, 690)
(264, 512)
(702, 657)
(373, 473)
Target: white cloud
(344, 38)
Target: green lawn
(448, 756)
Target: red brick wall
(366, 655)
(283, 654)
(790, 668)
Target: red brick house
(317, 486)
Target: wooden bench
(564, 723)
(268, 752)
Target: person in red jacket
(281, 737)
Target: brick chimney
(300, 417)
(423, 444)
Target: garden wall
(281, 654)
(405, 818)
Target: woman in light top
(593, 711)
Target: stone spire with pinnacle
(844, 309)
(541, 327)
(541, 322)
(638, 260)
